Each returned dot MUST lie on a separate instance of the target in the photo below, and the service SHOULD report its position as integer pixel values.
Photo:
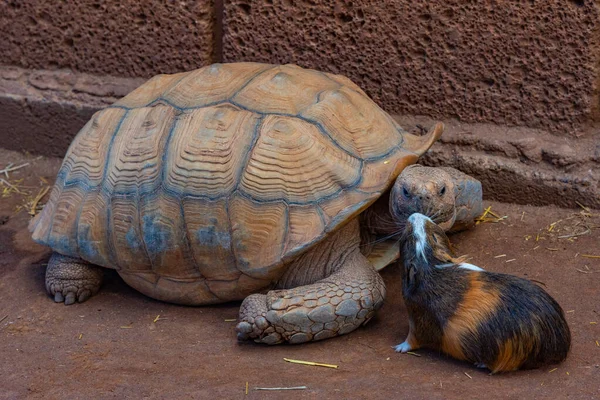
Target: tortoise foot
(254, 324)
(70, 279)
(331, 307)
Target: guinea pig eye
(443, 190)
(405, 192)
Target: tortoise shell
(222, 174)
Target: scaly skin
(451, 198)
(332, 306)
(469, 195)
(71, 279)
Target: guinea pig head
(425, 243)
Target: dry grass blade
(314, 364)
(282, 388)
(36, 200)
(10, 168)
(588, 230)
(11, 186)
(493, 219)
(589, 256)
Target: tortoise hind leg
(332, 306)
(71, 279)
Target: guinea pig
(496, 321)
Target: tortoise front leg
(71, 279)
(333, 306)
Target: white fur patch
(418, 223)
(403, 347)
(470, 266)
(461, 265)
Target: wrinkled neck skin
(379, 221)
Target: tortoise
(238, 181)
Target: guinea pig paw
(403, 347)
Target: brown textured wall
(122, 38)
(529, 63)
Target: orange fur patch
(513, 353)
(442, 251)
(477, 306)
(412, 338)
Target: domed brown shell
(221, 174)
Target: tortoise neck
(323, 259)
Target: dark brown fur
(492, 319)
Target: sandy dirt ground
(115, 345)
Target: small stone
(324, 313)
(324, 335)
(347, 308)
(299, 338)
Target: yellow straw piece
(80, 336)
(230, 320)
(589, 256)
(552, 370)
(314, 364)
(157, 318)
(37, 199)
(246, 387)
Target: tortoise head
(424, 190)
